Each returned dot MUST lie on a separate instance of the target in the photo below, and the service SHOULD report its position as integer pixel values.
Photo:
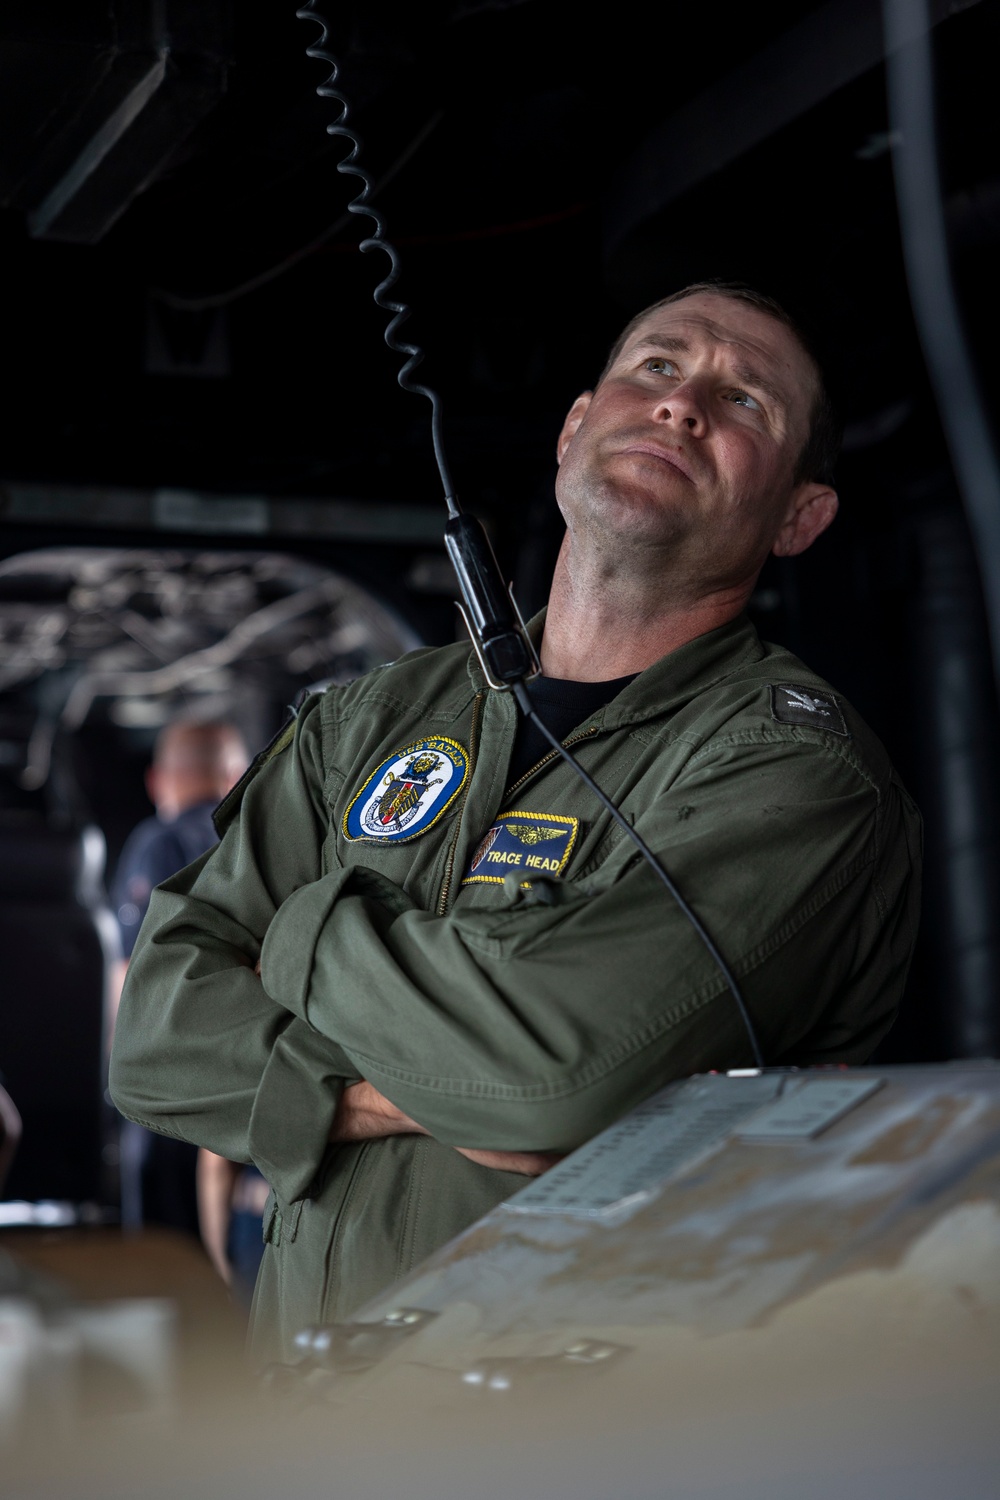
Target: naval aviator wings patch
(408, 793)
(530, 843)
(791, 704)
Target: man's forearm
(528, 1163)
(364, 1114)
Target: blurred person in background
(194, 766)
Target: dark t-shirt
(561, 705)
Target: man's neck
(604, 623)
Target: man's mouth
(671, 456)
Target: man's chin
(637, 519)
(646, 504)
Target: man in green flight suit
(423, 959)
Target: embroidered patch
(797, 705)
(535, 843)
(408, 793)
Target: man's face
(689, 443)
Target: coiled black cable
(362, 204)
(473, 559)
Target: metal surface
(620, 1169)
(790, 1317)
(802, 1314)
(807, 1108)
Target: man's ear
(574, 417)
(810, 511)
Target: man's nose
(684, 406)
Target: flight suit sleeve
(201, 1051)
(534, 1026)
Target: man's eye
(743, 398)
(659, 366)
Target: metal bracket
(501, 687)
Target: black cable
(497, 631)
(377, 241)
(527, 708)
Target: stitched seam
(158, 1128)
(664, 736)
(337, 1229)
(411, 1213)
(792, 734)
(444, 713)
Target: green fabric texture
(499, 1016)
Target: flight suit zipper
(442, 905)
(574, 739)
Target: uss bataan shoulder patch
(408, 793)
(797, 705)
(535, 843)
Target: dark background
(184, 308)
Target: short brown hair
(822, 445)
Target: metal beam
(41, 219)
(830, 48)
(190, 511)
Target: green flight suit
(517, 1013)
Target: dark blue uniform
(153, 852)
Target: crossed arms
(522, 1029)
(363, 1114)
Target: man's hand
(528, 1163)
(364, 1114)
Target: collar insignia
(535, 843)
(408, 793)
(791, 704)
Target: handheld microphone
(492, 618)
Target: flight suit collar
(682, 674)
(670, 682)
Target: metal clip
(492, 681)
